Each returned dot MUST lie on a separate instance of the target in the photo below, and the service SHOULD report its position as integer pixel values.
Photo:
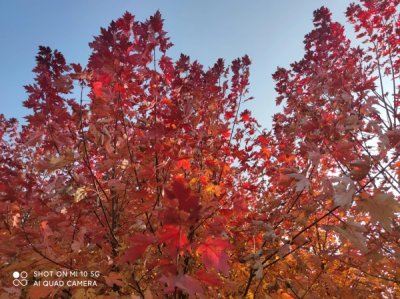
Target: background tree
(156, 177)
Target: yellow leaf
(80, 194)
(250, 295)
(213, 189)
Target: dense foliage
(158, 178)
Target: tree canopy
(152, 172)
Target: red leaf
(156, 22)
(209, 278)
(167, 67)
(187, 202)
(184, 282)
(46, 230)
(213, 254)
(139, 244)
(98, 88)
(3, 187)
(190, 285)
(175, 239)
(226, 133)
(185, 164)
(245, 115)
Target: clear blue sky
(270, 32)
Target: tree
(159, 180)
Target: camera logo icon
(20, 278)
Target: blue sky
(270, 32)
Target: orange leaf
(40, 292)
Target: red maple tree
(159, 180)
